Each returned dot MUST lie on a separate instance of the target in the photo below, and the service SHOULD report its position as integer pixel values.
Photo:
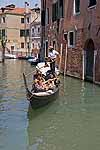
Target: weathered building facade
(73, 28)
(15, 28)
(35, 28)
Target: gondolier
(52, 55)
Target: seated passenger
(51, 84)
(56, 81)
(38, 73)
(39, 86)
(37, 77)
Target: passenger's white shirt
(53, 54)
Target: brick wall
(86, 26)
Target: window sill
(71, 46)
(77, 14)
(91, 7)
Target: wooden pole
(65, 67)
(0, 55)
(3, 54)
(60, 57)
(3, 43)
(83, 65)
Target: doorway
(46, 48)
(89, 60)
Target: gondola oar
(26, 87)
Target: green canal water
(72, 122)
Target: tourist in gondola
(36, 76)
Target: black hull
(22, 58)
(40, 101)
(34, 63)
(9, 58)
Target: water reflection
(71, 122)
(3, 76)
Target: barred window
(22, 45)
(22, 33)
(92, 3)
(76, 6)
(71, 39)
(22, 20)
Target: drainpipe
(83, 63)
(95, 54)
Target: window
(22, 45)
(92, 3)
(27, 32)
(61, 8)
(47, 16)
(28, 45)
(71, 39)
(12, 48)
(33, 45)
(54, 11)
(76, 6)
(3, 19)
(22, 33)
(42, 3)
(22, 20)
(3, 32)
(38, 29)
(28, 20)
(32, 30)
(43, 17)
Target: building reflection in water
(3, 79)
(36, 126)
(67, 120)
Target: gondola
(33, 61)
(41, 98)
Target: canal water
(72, 122)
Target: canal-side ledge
(79, 78)
(97, 83)
(71, 75)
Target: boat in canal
(10, 56)
(42, 98)
(33, 61)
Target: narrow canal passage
(72, 122)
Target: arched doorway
(89, 59)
